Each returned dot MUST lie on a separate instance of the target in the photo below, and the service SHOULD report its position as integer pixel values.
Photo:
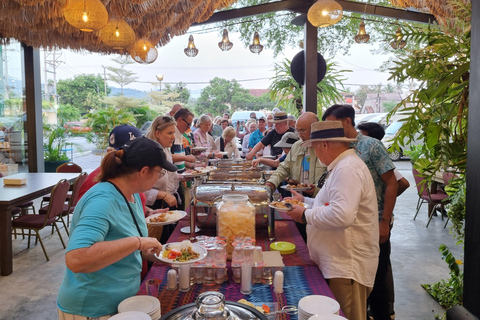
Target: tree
(120, 75)
(181, 89)
(82, 92)
(163, 101)
(217, 97)
(68, 113)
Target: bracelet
(164, 196)
(139, 243)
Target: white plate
(147, 304)
(131, 315)
(317, 304)
(269, 157)
(171, 218)
(269, 171)
(284, 209)
(296, 189)
(223, 153)
(193, 175)
(327, 317)
(200, 148)
(200, 250)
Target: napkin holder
(14, 181)
(274, 260)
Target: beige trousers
(352, 297)
(66, 316)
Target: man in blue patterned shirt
(376, 157)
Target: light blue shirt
(255, 138)
(375, 156)
(102, 215)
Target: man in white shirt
(342, 224)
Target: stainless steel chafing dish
(236, 174)
(206, 195)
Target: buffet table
(302, 276)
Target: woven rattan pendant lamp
(86, 15)
(324, 13)
(225, 44)
(398, 42)
(143, 52)
(117, 34)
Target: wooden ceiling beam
(301, 6)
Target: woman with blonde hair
(164, 191)
(227, 143)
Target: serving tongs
(286, 310)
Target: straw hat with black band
(327, 131)
(280, 117)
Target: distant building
(374, 101)
(258, 92)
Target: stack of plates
(316, 305)
(147, 304)
(327, 317)
(131, 315)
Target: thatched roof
(41, 23)
(441, 9)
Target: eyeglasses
(323, 179)
(301, 131)
(161, 173)
(188, 123)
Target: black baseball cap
(121, 134)
(144, 152)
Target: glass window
(12, 110)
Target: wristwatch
(304, 219)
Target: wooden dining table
(38, 184)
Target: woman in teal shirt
(108, 237)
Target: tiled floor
(30, 292)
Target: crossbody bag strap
(129, 208)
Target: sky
(253, 71)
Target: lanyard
(129, 208)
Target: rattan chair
(36, 222)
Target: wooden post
(310, 83)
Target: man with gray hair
(342, 225)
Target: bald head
(303, 125)
(175, 108)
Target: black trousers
(380, 297)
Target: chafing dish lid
(236, 310)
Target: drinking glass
(152, 287)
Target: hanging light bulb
(117, 32)
(86, 15)
(324, 13)
(190, 50)
(256, 47)
(398, 43)
(225, 44)
(362, 36)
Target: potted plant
(55, 140)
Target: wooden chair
(66, 167)
(36, 222)
(426, 196)
(72, 202)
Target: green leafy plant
(102, 121)
(438, 109)
(288, 93)
(448, 293)
(56, 141)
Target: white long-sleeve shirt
(342, 224)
